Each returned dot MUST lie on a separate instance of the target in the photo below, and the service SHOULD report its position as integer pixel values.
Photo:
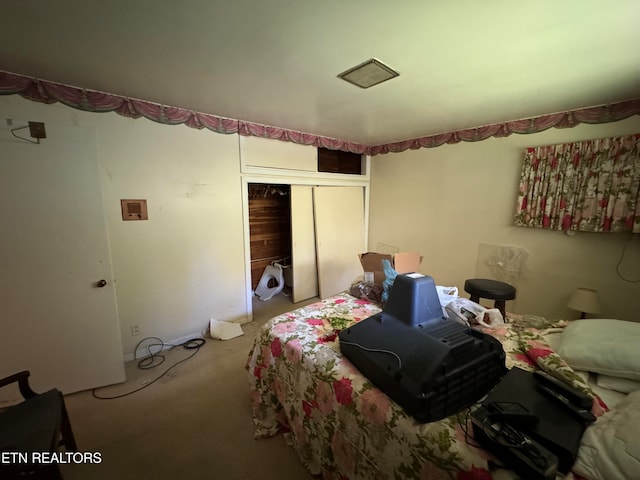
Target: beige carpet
(194, 423)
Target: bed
(343, 427)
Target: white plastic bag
(446, 294)
(465, 311)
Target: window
(591, 186)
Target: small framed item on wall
(134, 210)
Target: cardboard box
(405, 262)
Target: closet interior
(270, 230)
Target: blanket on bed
(341, 425)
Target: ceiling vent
(369, 73)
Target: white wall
(446, 201)
(186, 263)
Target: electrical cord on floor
(155, 359)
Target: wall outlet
(135, 330)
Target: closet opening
(311, 233)
(270, 242)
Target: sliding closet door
(303, 244)
(339, 221)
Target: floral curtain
(591, 186)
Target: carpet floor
(193, 423)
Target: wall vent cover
(134, 210)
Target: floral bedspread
(342, 426)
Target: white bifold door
(327, 233)
(303, 244)
(58, 314)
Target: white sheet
(610, 448)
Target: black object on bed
(431, 366)
(558, 428)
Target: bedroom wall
(186, 263)
(445, 202)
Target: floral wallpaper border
(45, 91)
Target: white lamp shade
(585, 300)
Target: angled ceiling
(462, 64)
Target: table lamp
(585, 300)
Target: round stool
(495, 290)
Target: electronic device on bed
(431, 366)
(497, 428)
(560, 421)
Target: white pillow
(610, 347)
(618, 384)
(610, 448)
